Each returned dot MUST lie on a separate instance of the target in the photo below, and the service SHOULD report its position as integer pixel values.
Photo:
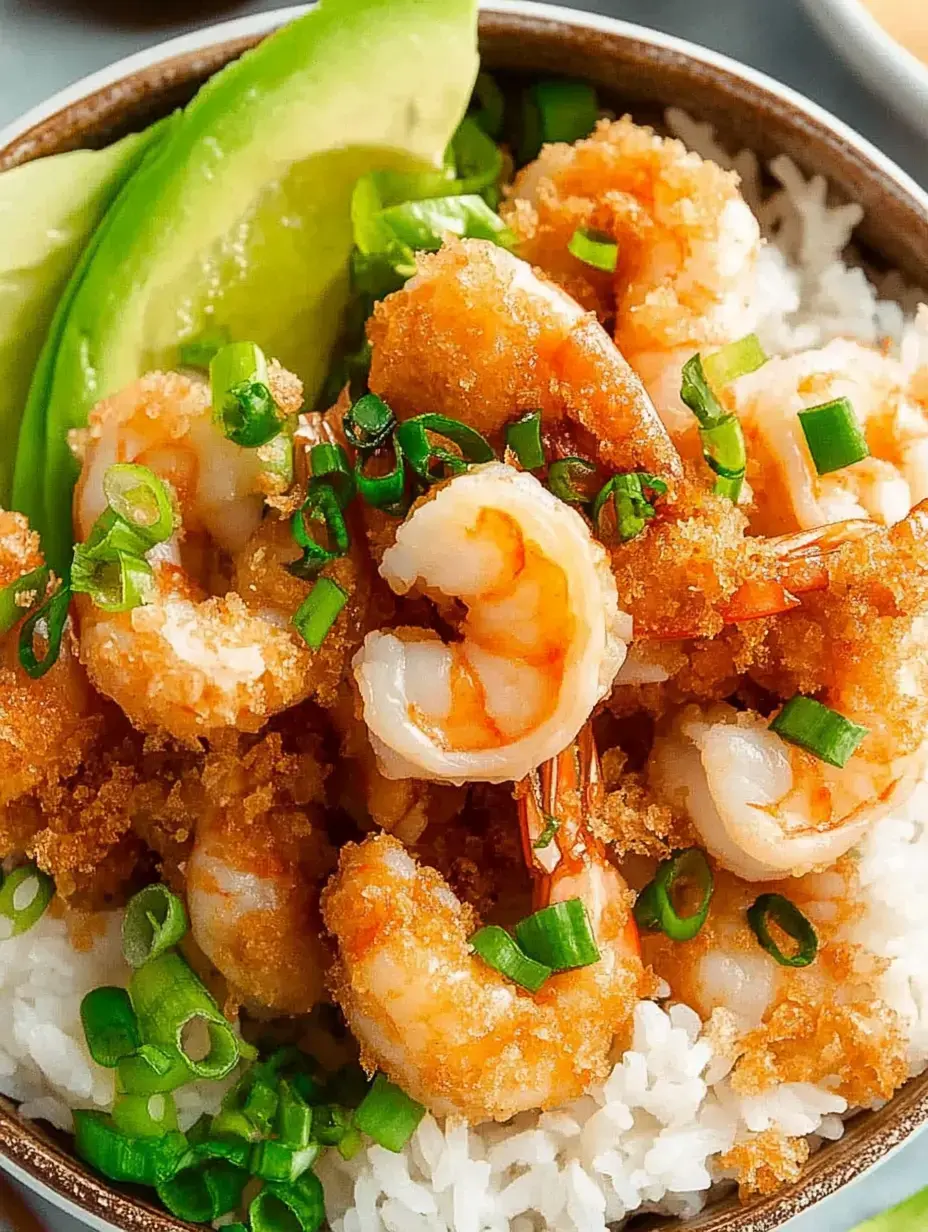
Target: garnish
(819, 730)
(559, 936)
(787, 917)
(719, 431)
(138, 497)
(552, 825)
(556, 111)
(18, 597)
(111, 1028)
(431, 462)
(834, 435)
(734, 360)
(319, 611)
(499, 951)
(656, 908)
(523, 437)
(117, 584)
(388, 1115)
(369, 423)
(572, 480)
(47, 622)
(24, 895)
(594, 248)
(242, 401)
(155, 921)
(198, 352)
(631, 506)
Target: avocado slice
(240, 219)
(50, 207)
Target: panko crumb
(764, 1162)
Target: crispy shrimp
(253, 878)
(687, 246)
(477, 334)
(788, 491)
(540, 644)
(452, 1031)
(186, 662)
(47, 726)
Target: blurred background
(47, 44)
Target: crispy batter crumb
(765, 1161)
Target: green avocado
(239, 220)
(50, 208)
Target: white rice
(650, 1138)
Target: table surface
(46, 44)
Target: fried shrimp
(189, 662)
(453, 1031)
(479, 335)
(541, 641)
(48, 725)
(789, 493)
(687, 245)
(260, 856)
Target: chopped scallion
(46, 622)
(294, 1117)
(656, 908)
(594, 248)
(153, 1070)
(573, 480)
(499, 951)
(524, 439)
(137, 495)
(155, 921)
(328, 463)
(141, 1161)
(299, 1207)
(24, 896)
(275, 1161)
(790, 920)
(145, 1116)
(556, 111)
(630, 504)
(559, 936)
(369, 424)
(20, 596)
(116, 585)
(818, 729)
(388, 1115)
(546, 837)
(242, 399)
(110, 1025)
(720, 432)
(322, 504)
(432, 462)
(202, 1189)
(834, 435)
(319, 611)
(733, 361)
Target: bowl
(640, 70)
(887, 67)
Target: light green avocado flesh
(48, 210)
(240, 218)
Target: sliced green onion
(655, 907)
(24, 897)
(110, 1026)
(20, 596)
(834, 435)
(572, 480)
(114, 585)
(369, 424)
(152, 1071)
(172, 1005)
(818, 729)
(720, 432)
(111, 537)
(350, 1144)
(556, 111)
(545, 838)
(299, 1207)
(145, 1116)
(318, 612)
(52, 616)
(197, 352)
(328, 463)
(422, 225)
(330, 1123)
(627, 495)
(137, 495)
(789, 918)
(492, 105)
(734, 360)
(387, 491)
(388, 1115)
(499, 951)
(275, 1161)
(478, 160)
(242, 400)
(201, 1190)
(294, 1117)
(155, 921)
(524, 439)
(560, 936)
(424, 456)
(322, 504)
(594, 248)
(260, 1105)
(142, 1161)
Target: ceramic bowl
(638, 70)
(887, 67)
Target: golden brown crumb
(765, 1161)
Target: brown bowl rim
(69, 120)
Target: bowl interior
(641, 73)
